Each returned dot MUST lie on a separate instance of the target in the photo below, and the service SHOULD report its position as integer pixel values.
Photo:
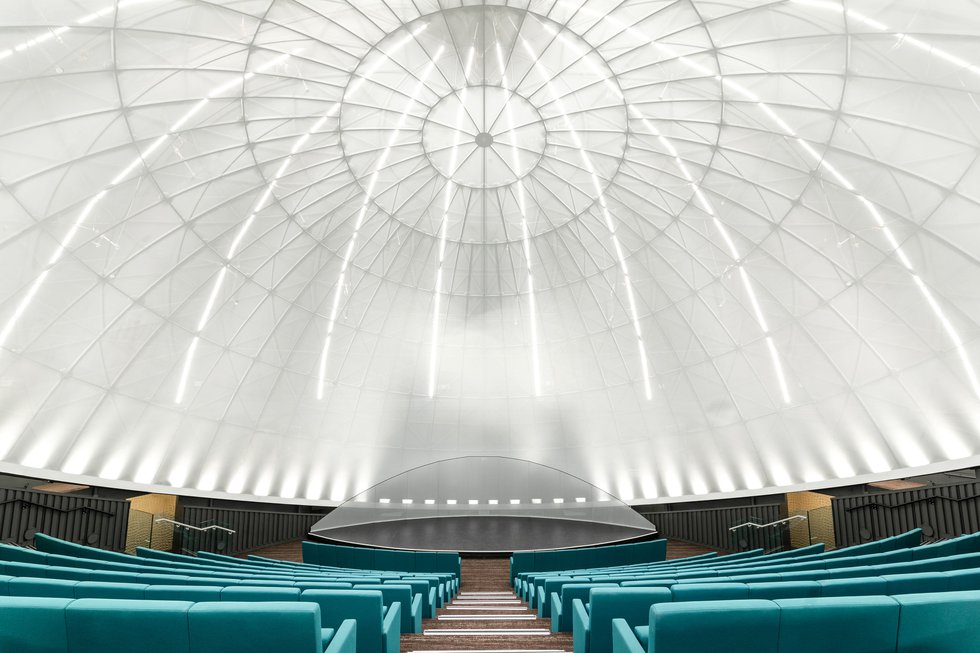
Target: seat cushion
(33, 625)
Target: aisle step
(484, 632)
(487, 617)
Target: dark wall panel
(709, 527)
(942, 511)
(254, 529)
(93, 521)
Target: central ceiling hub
(484, 136)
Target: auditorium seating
(939, 622)
(60, 625)
(604, 556)
(588, 609)
(376, 604)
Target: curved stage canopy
(284, 249)
(482, 504)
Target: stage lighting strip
(444, 226)
(363, 212)
(600, 194)
(525, 239)
(139, 160)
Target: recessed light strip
(117, 179)
(382, 160)
(600, 194)
(444, 226)
(525, 238)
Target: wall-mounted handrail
(212, 527)
(773, 523)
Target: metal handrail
(212, 527)
(778, 521)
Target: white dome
(678, 248)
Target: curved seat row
(944, 622)
(595, 608)
(65, 625)
(377, 624)
(903, 547)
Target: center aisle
(486, 615)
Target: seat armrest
(580, 627)
(345, 639)
(417, 613)
(624, 639)
(391, 628)
(540, 603)
(555, 612)
(432, 603)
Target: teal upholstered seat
(118, 626)
(561, 608)
(411, 603)
(183, 593)
(916, 583)
(33, 625)
(592, 629)
(709, 592)
(869, 586)
(784, 590)
(46, 587)
(254, 627)
(248, 593)
(850, 624)
(376, 631)
(955, 614)
(745, 626)
(88, 589)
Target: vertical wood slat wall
(254, 529)
(942, 511)
(710, 527)
(92, 521)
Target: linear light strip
(58, 31)
(951, 331)
(525, 239)
(709, 209)
(444, 227)
(66, 242)
(379, 164)
(600, 194)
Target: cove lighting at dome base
(285, 249)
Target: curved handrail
(773, 523)
(212, 527)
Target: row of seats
(352, 557)
(595, 608)
(62, 625)
(944, 622)
(382, 604)
(588, 604)
(528, 584)
(601, 556)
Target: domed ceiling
(286, 249)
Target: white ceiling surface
(679, 248)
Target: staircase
(486, 615)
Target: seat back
(244, 593)
(33, 625)
(364, 606)
(629, 603)
(391, 594)
(709, 592)
(849, 624)
(116, 625)
(744, 626)
(255, 627)
(939, 623)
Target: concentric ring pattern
(679, 248)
